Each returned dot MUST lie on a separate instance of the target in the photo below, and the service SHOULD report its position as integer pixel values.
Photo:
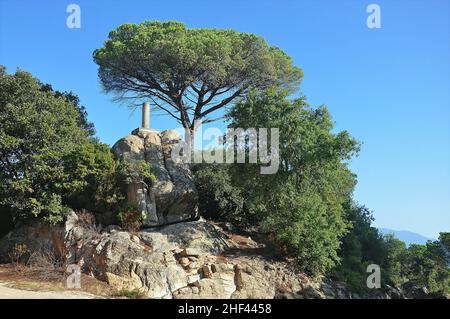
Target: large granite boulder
(173, 197)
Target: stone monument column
(146, 115)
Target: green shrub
(38, 129)
(134, 171)
(301, 205)
(219, 199)
(49, 160)
(361, 246)
(427, 265)
(310, 231)
(417, 265)
(92, 167)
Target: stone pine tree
(190, 73)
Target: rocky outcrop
(189, 260)
(173, 197)
(184, 260)
(196, 235)
(177, 261)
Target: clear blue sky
(389, 87)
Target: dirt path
(13, 293)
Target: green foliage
(49, 160)
(302, 204)
(304, 222)
(393, 264)
(190, 73)
(38, 129)
(130, 217)
(92, 168)
(134, 171)
(361, 246)
(426, 265)
(75, 100)
(417, 265)
(218, 197)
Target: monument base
(144, 130)
(172, 196)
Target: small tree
(190, 73)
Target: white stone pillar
(146, 115)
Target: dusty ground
(14, 293)
(28, 283)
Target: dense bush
(426, 266)
(417, 265)
(49, 159)
(83, 121)
(38, 129)
(361, 246)
(218, 198)
(302, 204)
(307, 204)
(92, 168)
(134, 171)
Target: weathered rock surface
(161, 263)
(189, 260)
(196, 235)
(173, 197)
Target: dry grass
(130, 294)
(39, 279)
(86, 219)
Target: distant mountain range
(406, 236)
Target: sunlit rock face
(173, 197)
